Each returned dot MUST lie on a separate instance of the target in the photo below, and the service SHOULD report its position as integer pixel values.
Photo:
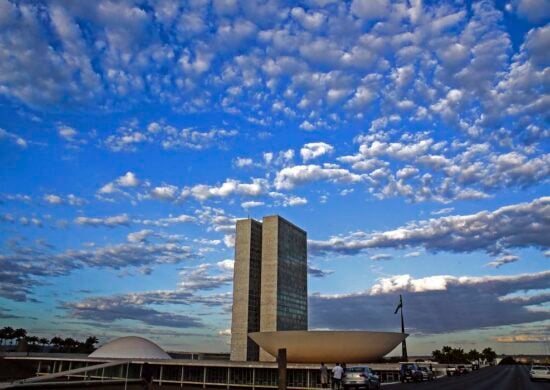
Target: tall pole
(404, 343)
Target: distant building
(269, 284)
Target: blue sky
(409, 139)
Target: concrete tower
(246, 290)
(269, 283)
(284, 278)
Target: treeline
(451, 355)
(34, 343)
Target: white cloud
(70, 199)
(515, 226)
(227, 265)
(314, 150)
(370, 9)
(437, 294)
(53, 199)
(23, 270)
(413, 254)
(108, 188)
(164, 192)
(204, 192)
(140, 236)
(502, 260)
(74, 200)
(117, 220)
(446, 210)
(290, 177)
(200, 278)
(534, 10)
(128, 180)
(67, 133)
(19, 141)
(241, 162)
(381, 256)
(168, 221)
(229, 240)
(306, 125)
(295, 201)
(252, 203)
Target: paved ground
(490, 378)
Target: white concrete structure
(130, 347)
(329, 346)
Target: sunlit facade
(270, 283)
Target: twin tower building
(269, 283)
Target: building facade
(246, 290)
(270, 283)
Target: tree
(33, 339)
(69, 343)
(56, 342)
(19, 334)
(449, 355)
(7, 333)
(473, 356)
(437, 355)
(43, 341)
(489, 355)
(88, 345)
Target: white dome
(130, 347)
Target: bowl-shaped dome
(130, 347)
(329, 346)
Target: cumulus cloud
(290, 177)
(70, 199)
(67, 133)
(227, 265)
(164, 192)
(168, 221)
(53, 199)
(433, 304)
(202, 192)
(201, 278)
(128, 138)
(516, 226)
(502, 260)
(241, 162)
(135, 307)
(533, 10)
(128, 180)
(295, 65)
(140, 236)
(216, 220)
(116, 220)
(16, 197)
(252, 203)
(370, 9)
(26, 268)
(314, 150)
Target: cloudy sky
(410, 139)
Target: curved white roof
(329, 346)
(130, 347)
